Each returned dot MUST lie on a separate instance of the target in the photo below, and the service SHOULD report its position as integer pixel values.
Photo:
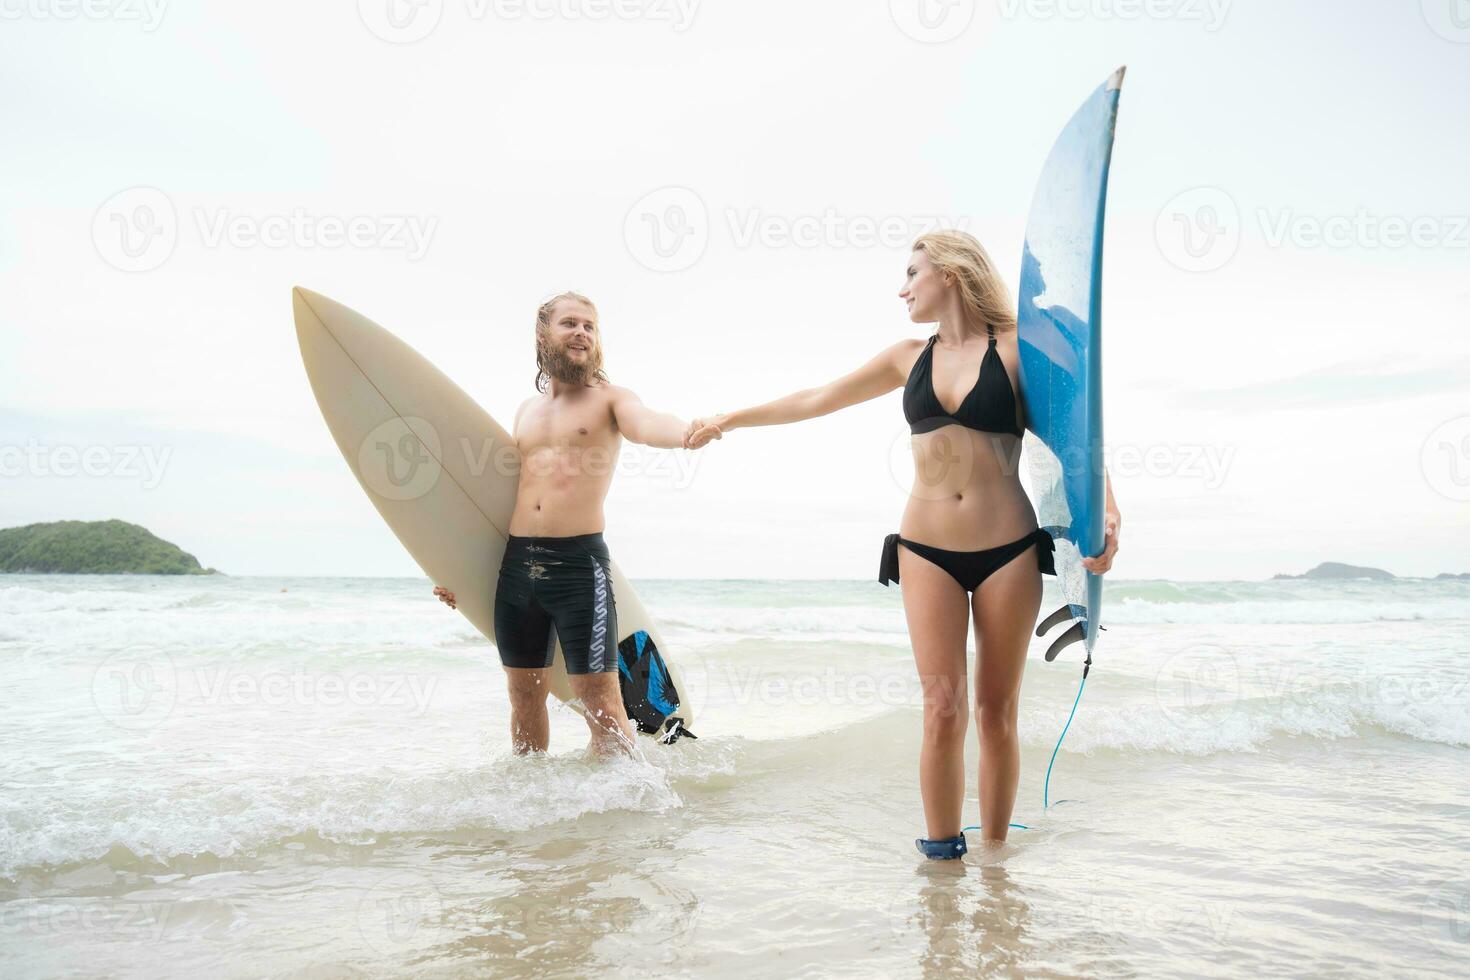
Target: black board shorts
(557, 588)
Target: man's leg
(524, 636)
(581, 602)
(602, 706)
(530, 728)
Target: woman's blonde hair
(543, 340)
(982, 290)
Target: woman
(968, 544)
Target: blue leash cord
(1018, 826)
(1046, 785)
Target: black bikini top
(989, 407)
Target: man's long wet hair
(543, 340)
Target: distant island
(93, 547)
(1337, 570)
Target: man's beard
(561, 366)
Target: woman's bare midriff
(967, 492)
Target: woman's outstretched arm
(879, 376)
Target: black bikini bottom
(968, 568)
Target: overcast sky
(735, 182)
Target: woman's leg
(1005, 607)
(938, 618)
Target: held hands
(1112, 521)
(445, 596)
(703, 431)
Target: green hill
(1337, 570)
(96, 547)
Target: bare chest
(580, 424)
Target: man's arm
(643, 425)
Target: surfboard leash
(1046, 783)
(1081, 686)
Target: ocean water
(310, 777)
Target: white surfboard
(443, 474)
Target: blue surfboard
(1060, 326)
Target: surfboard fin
(1076, 634)
(673, 731)
(1060, 616)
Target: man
(556, 578)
